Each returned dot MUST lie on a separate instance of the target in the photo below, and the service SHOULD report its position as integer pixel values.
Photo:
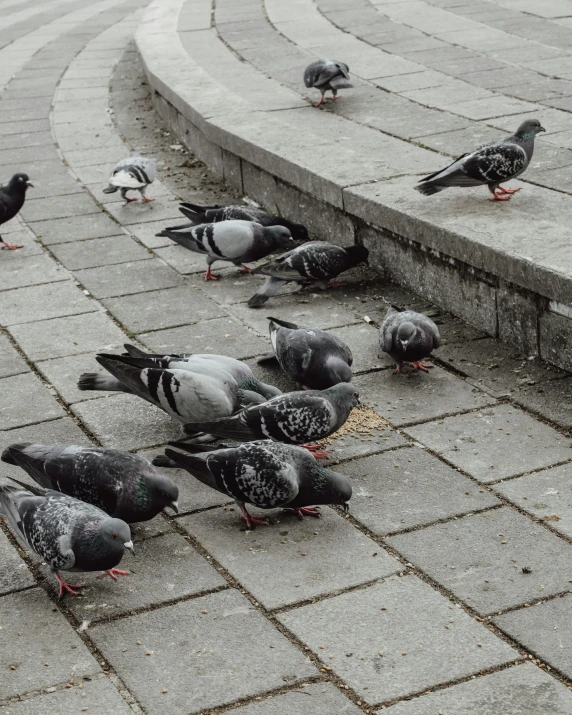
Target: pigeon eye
(114, 536)
(355, 394)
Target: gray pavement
(446, 589)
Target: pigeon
(313, 358)
(490, 164)
(132, 174)
(267, 475)
(408, 336)
(316, 262)
(293, 418)
(253, 390)
(235, 241)
(12, 199)
(325, 75)
(124, 485)
(66, 533)
(214, 214)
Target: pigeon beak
(346, 507)
(29, 183)
(129, 546)
(175, 506)
(541, 129)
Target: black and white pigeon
(253, 390)
(293, 418)
(267, 475)
(313, 358)
(490, 164)
(132, 174)
(12, 197)
(214, 214)
(316, 262)
(235, 241)
(408, 336)
(124, 485)
(325, 75)
(68, 534)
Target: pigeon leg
(322, 100)
(507, 191)
(9, 246)
(303, 511)
(113, 573)
(399, 370)
(421, 366)
(125, 197)
(251, 521)
(210, 276)
(67, 587)
(245, 269)
(317, 450)
(145, 199)
(497, 197)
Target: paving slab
(63, 374)
(75, 228)
(15, 574)
(318, 699)
(418, 652)
(302, 548)
(12, 362)
(127, 278)
(179, 258)
(59, 207)
(194, 646)
(51, 300)
(156, 212)
(358, 441)
(495, 443)
(30, 270)
(145, 232)
(520, 690)
(38, 405)
(480, 558)
(366, 354)
(39, 642)
(99, 252)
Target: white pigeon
(132, 174)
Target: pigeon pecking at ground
(68, 534)
(490, 164)
(214, 214)
(313, 358)
(316, 262)
(12, 197)
(235, 241)
(325, 75)
(408, 336)
(267, 475)
(132, 174)
(253, 390)
(124, 485)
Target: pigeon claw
(245, 269)
(145, 199)
(113, 573)
(303, 511)
(67, 587)
(252, 521)
(317, 450)
(10, 246)
(421, 366)
(128, 200)
(507, 191)
(210, 276)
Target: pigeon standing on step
(66, 533)
(124, 485)
(313, 358)
(12, 197)
(214, 214)
(325, 75)
(316, 262)
(267, 475)
(491, 164)
(132, 174)
(408, 336)
(235, 241)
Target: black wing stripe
(168, 382)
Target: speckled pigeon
(490, 164)
(12, 199)
(68, 534)
(134, 173)
(124, 485)
(315, 359)
(316, 262)
(214, 214)
(267, 475)
(235, 241)
(408, 336)
(325, 75)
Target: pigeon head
(344, 393)
(405, 334)
(329, 487)
(20, 182)
(529, 129)
(357, 254)
(299, 231)
(116, 531)
(164, 492)
(280, 236)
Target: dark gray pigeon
(124, 485)
(313, 358)
(293, 418)
(68, 534)
(409, 337)
(325, 75)
(12, 199)
(316, 262)
(490, 164)
(214, 214)
(132, 174)
(267, 475)
(235, 241)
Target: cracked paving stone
(39, 404)
(317, 699)
(14, 574)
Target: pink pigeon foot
(10, 246)
(421, 366)
(251, 521)
(67, 587)
(210, 276)
(128, 200)
(303, 511)
(399, 370)
(245, 269)
(322, 101)
(507, 191)
(317, 450)
(146, 199)
(113, 573)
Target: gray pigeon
(293, 418)
(124, 485)
(253, 390)
(325, 75)
(490, 164)
(214, 214)
(134, 173)
(12, 197)
(313, 358)
(408, 336)
(68, 534)
(267, 475)
(316, 262)
(235, 241)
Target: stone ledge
(488, 263)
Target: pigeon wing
(495, 163)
